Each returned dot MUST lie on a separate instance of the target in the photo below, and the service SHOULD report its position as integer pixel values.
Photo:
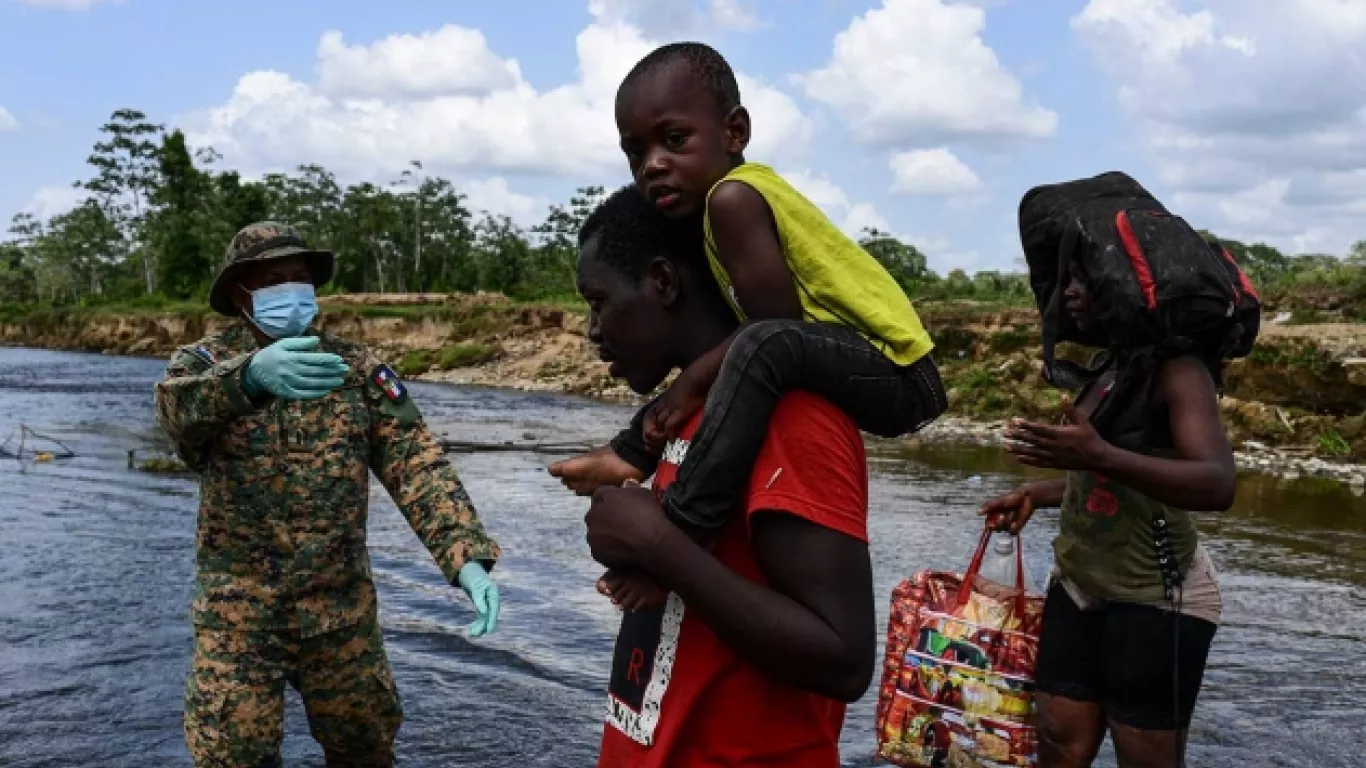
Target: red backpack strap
(1137, 260)
(1243, 280)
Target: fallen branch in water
(462, 446)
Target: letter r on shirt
(633, 668)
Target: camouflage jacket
(285, 485)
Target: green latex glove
(289, 369)
(483, 592)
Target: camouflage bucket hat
(265, 241)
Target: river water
(97, 566)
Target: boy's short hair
(703, 62)
(632, 233)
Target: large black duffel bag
(1154, 281)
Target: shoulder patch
(388, 382)
(202, 352)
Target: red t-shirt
(678, 695)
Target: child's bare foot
(632, 590)
(593, 470)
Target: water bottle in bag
(1001, 565)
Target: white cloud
(67, 5)
(676, 19)
(1156, 30)
(935, 172)
(825, 193)
(917, 73)
(1345, 18)
(862, 216)
(780, 130)
(449, 61)
(852, 217)
(54, 200)
(733, 14)
(1257, 207)
(492, 195)
(447, 99)
(7, 121)
(1254, 113)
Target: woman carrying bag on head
(1134, 602)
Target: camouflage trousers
(234, 698)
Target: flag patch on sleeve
(388, 382)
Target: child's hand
(593, 470)
(632, 590)
(685, 397)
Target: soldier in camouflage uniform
(284, 592)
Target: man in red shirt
(761, 641)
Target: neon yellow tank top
(837, 281)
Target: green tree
(18, 285)
(1265, 264)
(1357, 256)
(502, 256)
(372, 239)
(231, 204)
(555, 255)
(125, 162)
(25, 228)
(447, 238)
(73, 251)
(175, 226)
(228, 204)
(1000, 285)
(906, 264)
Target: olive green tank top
(837, 281)
(1106, 542)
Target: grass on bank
(461, 355)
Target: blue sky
(925, 117)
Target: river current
(96, 568)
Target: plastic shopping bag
(958, 676)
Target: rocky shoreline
(1253, 457)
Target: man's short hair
(703, 62)
(632, 233)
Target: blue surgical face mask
(285, 310)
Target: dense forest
(156, 220)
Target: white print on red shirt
(630, 711)
(642, 663)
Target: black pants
(768, 359)
(1143, 665)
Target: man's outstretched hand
(292, 369)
